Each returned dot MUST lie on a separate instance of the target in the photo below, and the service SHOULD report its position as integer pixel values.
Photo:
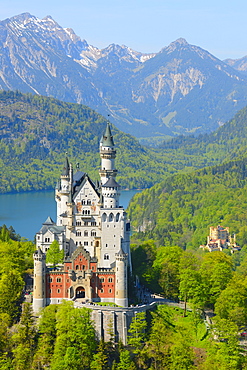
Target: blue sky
(147, 25)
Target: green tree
(125, 362)
(157, 347)
(24, 340)
(167, 263)
(46, 339)
(232, 303)
(11, 285)
(191, 285)
(216, 271)
(75, 329)
(100, 360)
(181, 354)
(137, 334)
(54, 255)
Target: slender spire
(107, 139)
(66, 167)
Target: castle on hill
(219, 238)
(93, 231)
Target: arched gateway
(80, 292)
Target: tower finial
(107, 139)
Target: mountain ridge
(182, 89)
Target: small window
(110, 290)
(77, 267)
(50, 280)
(102, 280)
(85, 233)
(58, 290)
(59, 280)
(86, 243)
(106, 256)
(102, 290)
(93, 233)
(110, 280)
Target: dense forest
(180, 209)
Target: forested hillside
(180, 209)
(227, 143)
(36, 132)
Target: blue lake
(27, 211)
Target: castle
(219, 238)
(93, 231)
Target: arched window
(93, 233)
(111, 217)
(110, 280)
(89, 202)
(104, 217)
(106, 256)
(77, 267)
(59, 280)
(117, 217)
(85, 233)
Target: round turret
(39, 287)
(121, 297)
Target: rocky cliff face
(181, 89)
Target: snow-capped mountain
(181, 89)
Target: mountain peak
(180, 41)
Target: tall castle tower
(121, 279)
(94, 233)
(107, 155)
(39, 289)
